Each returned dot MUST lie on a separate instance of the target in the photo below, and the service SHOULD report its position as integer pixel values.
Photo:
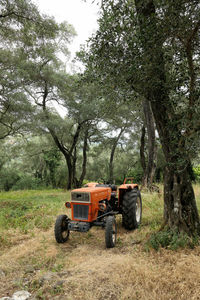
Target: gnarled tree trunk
(180, 210)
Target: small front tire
(110, 232)
(61, 229)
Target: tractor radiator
(80, 211)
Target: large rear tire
(132, 209)
(110, 232)
(61, 229)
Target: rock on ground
(20, 295)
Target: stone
(21, 295)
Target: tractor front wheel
(61, 229)
(132, 209)
(110, 232)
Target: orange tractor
(97, 205)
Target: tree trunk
(78, 182)
(74, 159)
(149, 167)
(84, 164)
(180, 210)
(70, 171)
(142, 155)
(114, 146)
(152, 149)
(111, 162)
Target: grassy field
(83, 268)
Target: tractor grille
(81, 211)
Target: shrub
(27, 182)
(8, 178)
(171, 240)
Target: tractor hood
(90, 194)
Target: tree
(120, 125)
(180, 207)
(54, 85)
(22, 34)
(109, 61)
(153, 47)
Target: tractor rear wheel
(132, 209)
(110, 232)
(61, 229)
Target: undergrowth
(171, 240)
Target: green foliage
(172, 240)
(9, 178)
(27, 182)
(196, 171)
(30, 163)
(26, 210)
(31, 40)
(136, 173)
(13, 179)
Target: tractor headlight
(68, 204)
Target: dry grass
(83, 269)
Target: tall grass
(24, 211)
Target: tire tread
(108, 232)
(58, 229)
(129, 209)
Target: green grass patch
(172, 240)
(26, 210)
(152, 210)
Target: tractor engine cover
(85, 202)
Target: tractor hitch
(78, 226)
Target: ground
(82, 268)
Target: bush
(137, 174)
(61, 176)
(27, 182)
(8, 178)
(171, 240)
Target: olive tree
(152, 48)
